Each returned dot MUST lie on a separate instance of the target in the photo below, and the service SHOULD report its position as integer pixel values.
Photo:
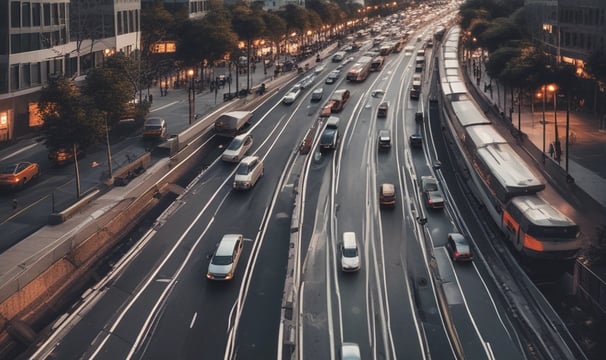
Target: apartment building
(569, 30)
(42, 39)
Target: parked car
(292, 95)
(459, 247)
(317, 94)
(248, 173)
(387, 195)
(224, 260)
(237, 148)
(15, 176)
(416, 140)
(434, 199)
(61, 155)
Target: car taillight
(456, 254)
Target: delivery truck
(230, 123)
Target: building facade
(43, 39)
(569, 30)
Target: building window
(62, 20)
(14, 77)
(54, 14)
(47, 14)
(25, 15)
(119, 20)
(25, 76)
(15, 14)
(36, 14)
(15, 44)
(35, 74)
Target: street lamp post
(191, 95)
(544, 96)
(109, 152)
(556, 143)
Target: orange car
(327, 109)
(17, 175)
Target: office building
(42, 39)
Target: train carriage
(504, 183)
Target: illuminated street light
(191, 95)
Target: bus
(359, 71)
(399, 45)
(377, 63)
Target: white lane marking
(164, 106)
(193, 320)
(19, 151)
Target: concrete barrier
(125, 174)
(60, 217)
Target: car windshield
(8, 169)
(350, 252)
(327, 136)
(431, 186)
(243, 169)
(222, 260)
(235, 144)
(153, 127)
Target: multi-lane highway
(408, 300)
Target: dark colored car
(384, 139)
(419, 117)
(329, 139)
(63, 155)
(434, 199)
(382, 110)
(459, 247)
(416, 140)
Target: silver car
(237, 148)
(225, 258)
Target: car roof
(241, 137)
(154, 121)
(388, 188)
(247, 160)
(226, 246)
(318, 90)
(458, 238)
(349, 240)
(384, 132)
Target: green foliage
(112, 87)
(499, 32)
(69, 117)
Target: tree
(112, 87)
(70, 120)
(249, 26)
(275, 29)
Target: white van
(350, 257)
(248, 173)
(223, 263)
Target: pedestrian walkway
(577, 175)
(586, 142)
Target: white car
(225, 258)
(319, 68)
(248, 173)
(350, 257)
(292, 95)
(237, 148)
